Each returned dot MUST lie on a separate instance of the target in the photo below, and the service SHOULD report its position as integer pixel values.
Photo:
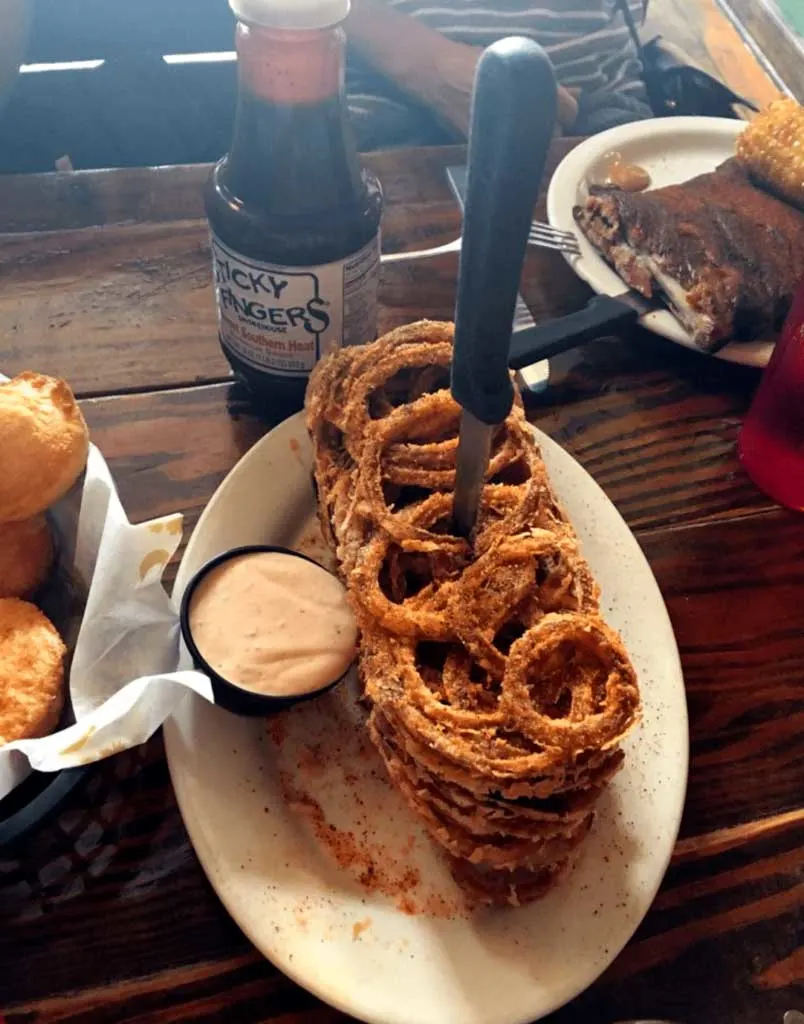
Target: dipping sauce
(273, 623)
(620, 174)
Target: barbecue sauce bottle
(294, 219)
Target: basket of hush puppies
(44, 444)
(91, 658)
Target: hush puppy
(44, 444)
(31, 672)
(26, 556)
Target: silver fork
(543, 236)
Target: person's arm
(619, 101)
(620, 95)
(426, 65)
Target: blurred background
(115, 83)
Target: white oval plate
(359, 950)
(672, 150)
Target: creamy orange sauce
(273, 623)
(628, 177)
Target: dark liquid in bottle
(291, 194)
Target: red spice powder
(407, 906)
(277, 729)
(311, 762)
(375, 866)
(434, 905)
(370, 863)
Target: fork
(543, 236)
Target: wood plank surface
(105, 914)
(662, 447)
(142, 293)
(120, 851)
(711, 911)
(62, 201)
(169, 451)
(666, 461)
(123, 258)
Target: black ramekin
(228, 694)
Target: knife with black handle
(535, 376)
(513, 114)
(533, 344)
(602, 315)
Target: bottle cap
(291, 14)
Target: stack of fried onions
(498, 695)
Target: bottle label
(284, 319)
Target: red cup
(771, 444)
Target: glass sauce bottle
(294, 219)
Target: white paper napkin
(129, 670)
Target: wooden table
(105, 914)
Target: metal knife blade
(474, 451)
(535, 377)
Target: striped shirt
(587, 40)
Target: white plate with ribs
(672, 150)
(323, 865)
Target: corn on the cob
(772, 149)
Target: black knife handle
(603, 314)
(513, 114)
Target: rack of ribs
(725, 255)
